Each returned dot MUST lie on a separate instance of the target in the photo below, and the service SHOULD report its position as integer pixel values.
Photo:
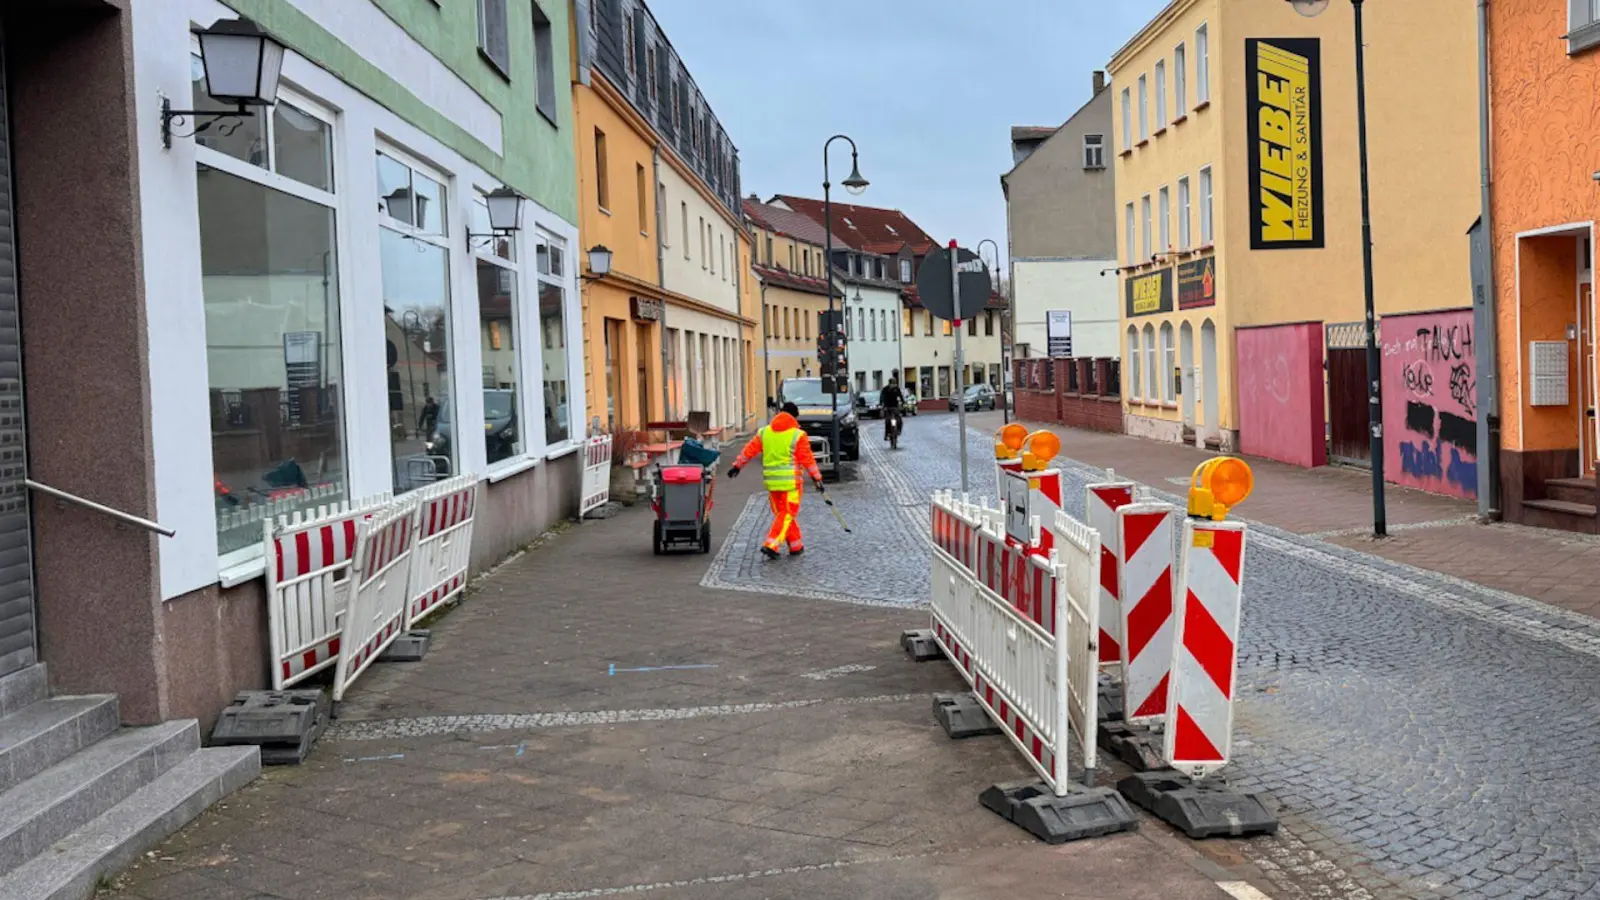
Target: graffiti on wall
(1430, 412)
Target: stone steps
(45, 733)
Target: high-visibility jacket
(785, 452)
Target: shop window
(289, 142)
(1152, 375)
(944, 381)
(555, 367)
(498, 315)
(925, 383)
(270, 285)
(1169, 387)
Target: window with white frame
(413, 245)
(1161, 94)
(270, 287)
(505, 436)
(1144, 108)
(1135, 373)
(905, 271)
(1164, 212)
(1144, 228)
(1183, 213)
(1152, 389)
(1205, 207)
(1169, 387)
(1094, 151)
(1180, 81)
(1202, 64)
(1131, 253)
(1583, 24)
(544, 61)
(555, 370)
(493, 37)
(1127, 120)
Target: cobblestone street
(595, 722)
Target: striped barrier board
(596, 488)
(308, 561)
(1145, 586)
(445, 514)
(379, 588)
(1199, 717)
(1104, 500)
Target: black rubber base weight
(1200, 809)
(920, 645)
(284, 724)
(1110, 699)
(409, 647)
(1135, 745)
(1082, 813)
(962, 716)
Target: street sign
(934, 289)
(1058, 333)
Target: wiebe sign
(1283, 111)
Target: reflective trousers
(785, 520)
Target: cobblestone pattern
(1425, 737)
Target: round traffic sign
(935, 290)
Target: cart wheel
(705, 538)
(655, 538)
(894, 442)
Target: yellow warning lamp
(1217, 486)
(1040, 448)
(1008, 441)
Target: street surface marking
(424, 726)
(614, 670)
(362, 759)
(1242, 891)
(839, 672)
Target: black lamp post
(1380, 527)
(1005, 343)
(856, 185)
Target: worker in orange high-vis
(785, 453)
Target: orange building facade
(1545, 199)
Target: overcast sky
(929, 89)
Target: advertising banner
(1283, 114)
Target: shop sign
(647, 309)
(1197, 283)
(1150, 293)
(1283, 112)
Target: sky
(929, 90)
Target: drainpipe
(661, 280)
(1484, 306)
(766, 352)
(738, 303)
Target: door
(16, 556)
(613, 373)
(1588, 378)
(1186, 364)
(642, 339)
(1349, 420)
(1210, 378)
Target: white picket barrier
(596, 474)
(379, 582)
(1010, 618)
(308, 561)
(445, 514)
(1199, 714)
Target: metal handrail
(117, 514)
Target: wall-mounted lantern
(505, 214)
(242, 64)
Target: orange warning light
(1217, 486)
(1008, 441)
(1040, 448)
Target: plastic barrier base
(408, 647)
(1200, 809)
(962, 716)
(1082, 813)
(284, 724)
(605, 510)
(1136, 745)
(1110, 702)
(921, 645)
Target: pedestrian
(785, 453)
(429, 417)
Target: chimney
(1099, 82)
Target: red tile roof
(909, 295)
(865, 228)
(785, 222)
(781, 277)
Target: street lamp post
(856, 185)
(1005, 343)
(1380, 527)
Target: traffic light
(833, 357)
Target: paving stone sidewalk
(593, 722)
(1335, 503)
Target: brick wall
(1080, 393)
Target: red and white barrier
(1020, 625)
(379, 582)
(308, 558)
(1145, 587)
(446, 511)
(1199, 716)
(596, 489)
(1003, 468)
(1104, 500)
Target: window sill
(1203, 104)
(549, 116)
(501, 471)
(1160, 131)
(603, 209)
(1126, 153)
(1142, 144)
(1179, 120)
(566, 448)
(495, 65)
(240, 573)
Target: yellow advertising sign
(1284, 109)
(1149, 293)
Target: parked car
(817, 413)
(978, 396)
(870, 405)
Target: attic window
(848, 222)
(892, 231)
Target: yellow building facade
(789, 276)
(1238, 200)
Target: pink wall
(1280, 393)
(1429, 406)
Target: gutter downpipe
(661, 280)
(1485, 306)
